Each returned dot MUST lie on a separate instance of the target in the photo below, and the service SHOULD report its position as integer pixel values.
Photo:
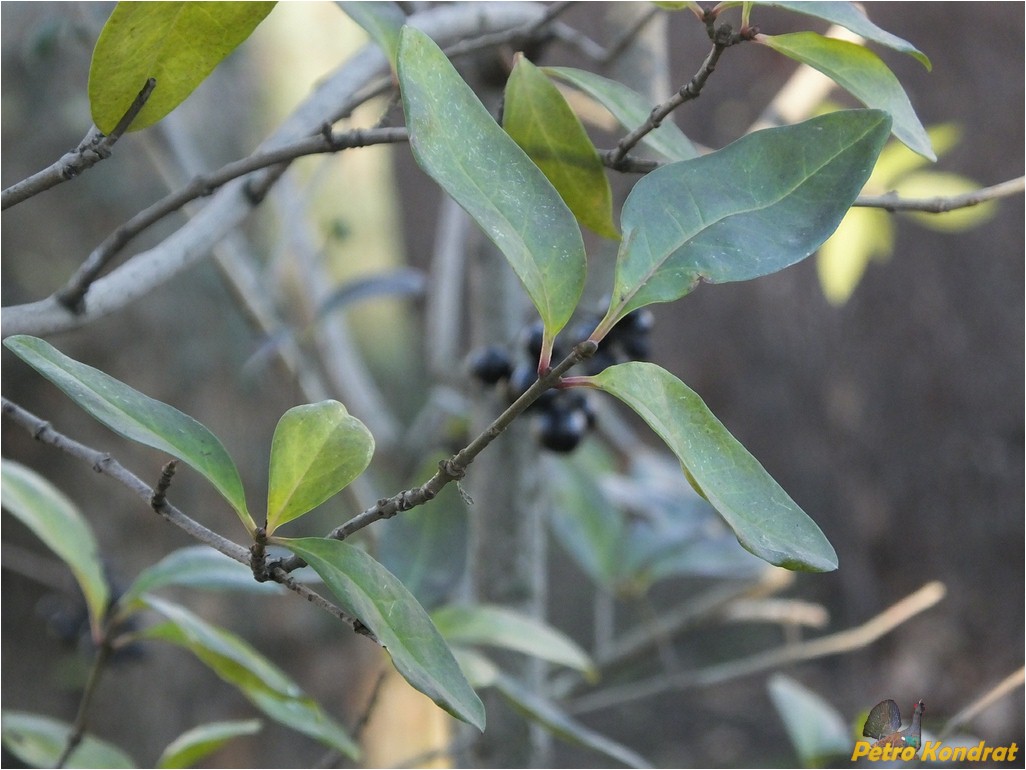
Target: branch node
(102, 462)
(159, 496)
(262, 571)
(586, 349)
(452, 468)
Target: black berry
(561, 429)
(490, 364)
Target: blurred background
(895, 419)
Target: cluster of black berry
(562, 417)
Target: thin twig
(619, 45)
(723, 37)
(518, 34)
(82, 717)
(107, 465)
(101, 462)
(90, 151)
(940, 204)
(73, 294)
(361, 724)
(628, 163)
(332, 99)
(832, 644)
(159, 496)
(454, 468)
(995, 693)
(637, 642)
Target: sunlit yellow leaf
(864, 235)
(929, 184)
(896, 160)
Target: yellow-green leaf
(177, 43)
(538, 118)
(864, 235)
(930, 184)
(630, 109)
(195, 744)
(317, 450)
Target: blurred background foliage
(890, 408)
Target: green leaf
(757, 206)
(317, 450)
(55, 520)
(236, 662)
(817, 731)
(178, 43)
(456, 141)
(538, 118)
(860, 72)
(195, 744)
(630, 108)
(586, 523)
(477, 668)
(372, 594)
(658, 527)
(556, 721)
(381, 20)
(197, 566)
(896, 160)
(765, 520)
(849, 16)
(503, 627)
(426, 548)
(135, 416)
(38, 741)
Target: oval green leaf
(630, 109)
(177, 43)
(55, 520)
(861, 73)
(195, 744)
(317, 450)
(381, 20)
(538, 118)
(137, 417)
(817, 731)
(456, 141)
(849, 16)
(766, 521)
(502, 627)
(374, 596)
(236, 662)
(757, 206)
(39, 741)
(197, 566)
